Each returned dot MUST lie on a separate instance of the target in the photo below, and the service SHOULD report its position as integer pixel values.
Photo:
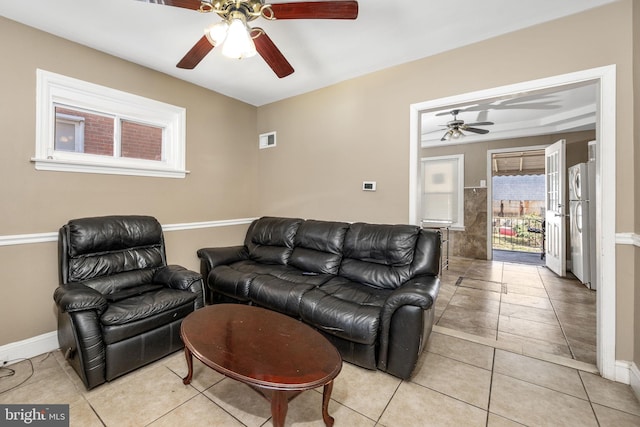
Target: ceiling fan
(456, 126)
(239, 40)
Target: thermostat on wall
(369, 186)
(267, 140)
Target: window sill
(109, 169)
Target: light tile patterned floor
(461, 380)
(524, 305)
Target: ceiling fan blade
(187, 4)
(446, 135)
(316, 10)
(271, 54)
(480, 124)
(196, 54)
(476, 130)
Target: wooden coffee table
(276, 355)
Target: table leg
(279, 407)
(187, 353)
(326, 397)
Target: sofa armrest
(210, 258)
(178, 277)
(72, 297)
(420, 291)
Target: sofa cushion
(117, 333)
(379, 255)
(234, 280)
(426, 258)
(318, 246)
(115, 283)
(346, 309)
(270, 240)
(278, 294)
(145, 305)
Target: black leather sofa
(120, 306)
(370, 289)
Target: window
(83, 127)
(443, 189)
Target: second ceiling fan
(239, 40)
(456, 126)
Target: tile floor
(462, 379)
(524, 307)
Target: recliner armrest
(176, 277)
(73, 297)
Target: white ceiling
(323, 52)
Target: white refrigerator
(579, 226)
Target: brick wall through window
(140, 141)
(137, 141)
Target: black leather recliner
(120, 306)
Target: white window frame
(55, 89)
(78, 125)
(459, 224)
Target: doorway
(517, 205)
(604, 80)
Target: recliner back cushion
(318, 246)
(98, 248)
(270, 240)
(379, 255)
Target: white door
(555, 234)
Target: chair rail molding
(628, 239)
(24, 239)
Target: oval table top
(260, 347)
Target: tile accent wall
(472, 242)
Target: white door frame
(605, 185)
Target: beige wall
(475, 155)
(221, 136)
(473, 244)
(333, 139)
(330, 140)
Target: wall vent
(267, 140)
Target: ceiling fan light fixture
(217, 33)
(238, 44)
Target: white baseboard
(635, 379)
(623, 371)
(25, 349)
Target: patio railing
(517, 234)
